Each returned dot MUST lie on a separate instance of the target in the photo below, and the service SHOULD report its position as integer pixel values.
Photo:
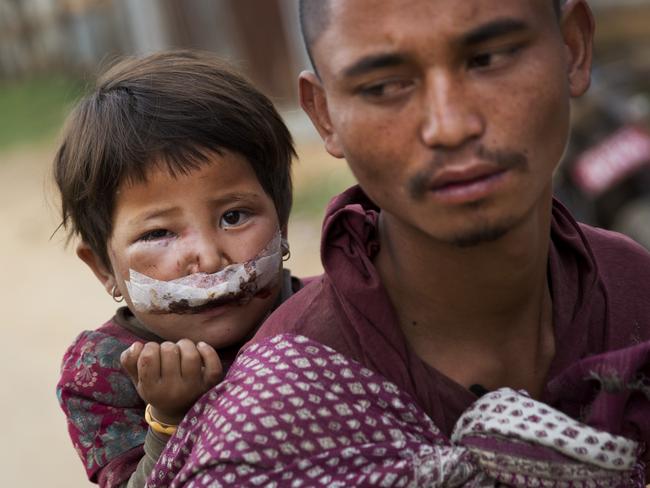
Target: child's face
(170, 227)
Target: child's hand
(171, 377)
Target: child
(175, 173)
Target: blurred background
(50, 52)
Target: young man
(451, 271)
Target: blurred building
(260, 36)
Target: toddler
(175, 174)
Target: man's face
(451, 114)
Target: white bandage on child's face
(238, 282)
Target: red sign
(612, 160)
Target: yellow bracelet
(156, 425)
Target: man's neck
(489, 303)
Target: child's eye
(155, 235)
(233, 218)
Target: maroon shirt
(600, 287)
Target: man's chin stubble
(483, 233)
(476, 237)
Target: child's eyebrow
(153, 214)
(237, 196)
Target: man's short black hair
(314, 18)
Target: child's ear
(94, 262)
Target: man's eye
(385, 89)
(482, 60)
(233, 218)
(156, 234)
(492, 59)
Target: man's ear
(578, 28)
(314, 102)
(94, 262)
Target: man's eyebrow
(491, 30)
(373, 62)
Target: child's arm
(170, 377)
(154, 445)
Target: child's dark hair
(170, 108)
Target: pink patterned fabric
(293, 412)
(104, 413)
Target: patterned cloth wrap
(293, 412)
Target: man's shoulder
(617, 255)
(295, 314)
(623, 270)
(314, 312)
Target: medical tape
(238, 282)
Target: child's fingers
(170, 364)
(129, 360)
(190, 360)
(212, 367)
(149, 364)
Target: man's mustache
(419, 183)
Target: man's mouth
(466, 184)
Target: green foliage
(312, 195)
(31, 110)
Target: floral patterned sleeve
(105, 415)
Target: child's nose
(207, 257)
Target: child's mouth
(182, 307)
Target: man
(451, 271)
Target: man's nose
(450, 116)
(206, 255)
